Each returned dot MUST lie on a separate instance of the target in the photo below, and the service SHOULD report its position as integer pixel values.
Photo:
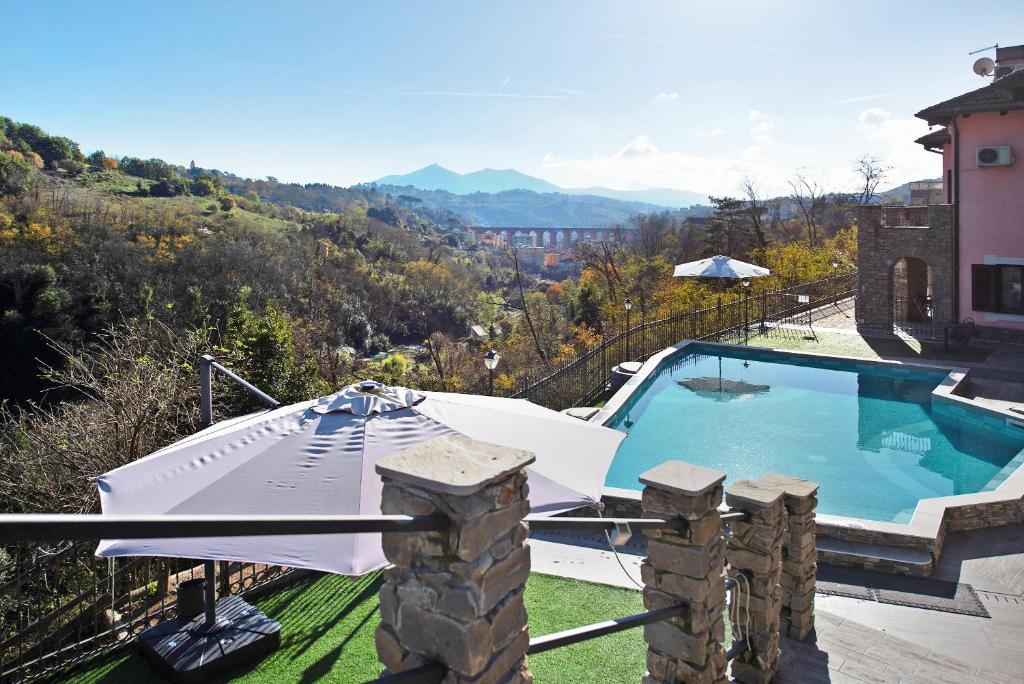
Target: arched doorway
(911, 293)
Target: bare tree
(513, 256)
(872, 172)
(809, 195)
(651, 230)
(757, 207)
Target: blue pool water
(868, 435)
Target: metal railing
(84, 638)
(586, 375)
(60, 607)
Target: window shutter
(983, 287)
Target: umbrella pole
(210, 573)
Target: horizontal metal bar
(271, 401)
(431, 673)
(46, 527)
(598, 524)
(735, 515)
(573, 636)
(737, 649)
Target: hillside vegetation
(116, 274)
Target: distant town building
(522, 240)
(923, 193)
(552, 259)
(478, 333)
(530, 256)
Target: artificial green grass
(327, 624)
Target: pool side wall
(933, 518)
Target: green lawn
(328, 622)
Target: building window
(998, 288)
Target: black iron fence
(585, 376)
(60, 606)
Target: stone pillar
(755, 552)
(799, 554)
(456, 597)
(685, 566)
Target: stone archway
(911, 288)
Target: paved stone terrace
(847, 651)
(865, 641)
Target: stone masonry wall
(754, 553)
(880, 246)
(456, 597)
(684, 566)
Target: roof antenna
(990, 47)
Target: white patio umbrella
(318, 457)
(719, 267)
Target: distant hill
(436, 177)
(524, 207)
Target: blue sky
(694, 95)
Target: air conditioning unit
(994, 155)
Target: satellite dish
(984, 66)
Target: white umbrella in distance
(719, 267)
(318, 457)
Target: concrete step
(880, 557)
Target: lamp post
(835, 294)
(629, 305)
(491, 359)
(746, 285)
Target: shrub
(15, 173)
(227, 203)
(72, 166)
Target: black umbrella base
(187, 651)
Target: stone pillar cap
(751, 492)
(794, 486)
(453, 464)
(682, 478)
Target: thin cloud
(666, 96)
(861, 98)
(654, 40)
(457, 93)
(709, 133)
(568, 91)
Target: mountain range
(436, 177)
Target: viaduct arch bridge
(556, 237)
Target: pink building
(964, 258)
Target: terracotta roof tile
(1003, 95)
(935, 139)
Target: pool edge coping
(929, 523)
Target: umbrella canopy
(318, 457)
(719, 267)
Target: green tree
(262, 347)
(15, 174)
(587, 306)
(33, 315)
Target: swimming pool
(868, 434)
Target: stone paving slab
(846, 651)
